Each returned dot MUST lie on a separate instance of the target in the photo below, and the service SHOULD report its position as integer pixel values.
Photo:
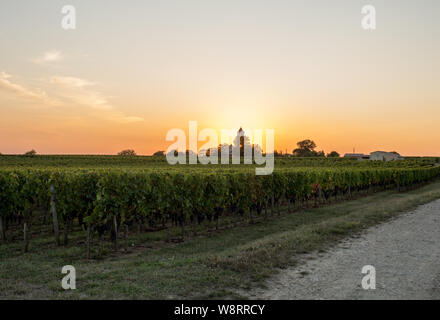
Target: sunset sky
(132, 70)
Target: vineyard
(111, 197)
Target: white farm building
(385, 156)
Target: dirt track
(404, 251)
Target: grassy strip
(213, 265)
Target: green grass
(209, 265)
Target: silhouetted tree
(306, 148)
(31, 153)
(128, 152)
(159, 153)
(333, 154)
(307, 145)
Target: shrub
(31, 153)
(128, 152)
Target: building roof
(355, 155)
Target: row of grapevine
(104, 200)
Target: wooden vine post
(251, 220)
(88, 242)
(320, 195)
(126, 237)
(116, 232)
(183, 229)
(2, 229)
(67, 225)
(53, 208)
(272, 205)
(26, 237)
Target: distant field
(145, 162)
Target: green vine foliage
(97, 196)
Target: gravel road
(405, 252)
